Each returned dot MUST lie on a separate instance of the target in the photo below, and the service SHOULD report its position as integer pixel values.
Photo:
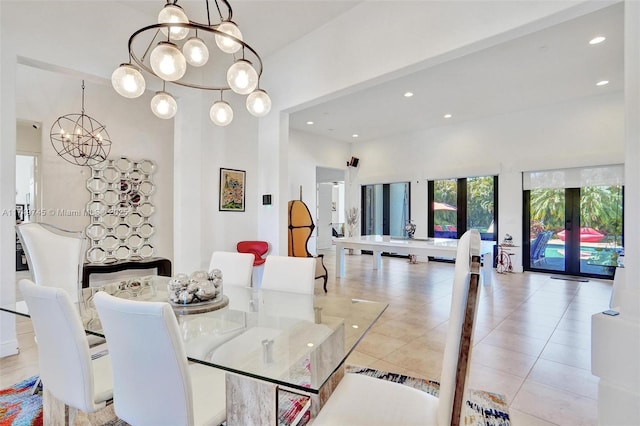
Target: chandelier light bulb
(242, 77)
(167, 62)
(163, 105)
(226, 44)
(173, 49)
(173, 14)
(221, 113)
(259, 103)
(195, 52)
(128, 81)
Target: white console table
(438, 247)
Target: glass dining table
(278, 349)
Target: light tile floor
(531, 343)
(532, 339)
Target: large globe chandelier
(180, 51)
(80, 139)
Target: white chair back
(63, 352)
(55, 256)
(469, 245)
(151, 383)
(236, 267)
(294, 274)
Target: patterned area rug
(18, 407)
(481, 408)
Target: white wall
(231, 148)
(202, 148)
(306, 152)
(66, 39)
(133, 130)
(350, 53)
(545, 138)
(28, 138)
(309, 70)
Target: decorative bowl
(198, 288)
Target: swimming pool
(558, 251)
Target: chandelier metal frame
(86, 144)
(176, 59)
(194, 26)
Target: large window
(456, 205)
(574, 220)
(385, 208)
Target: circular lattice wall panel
(120, 208)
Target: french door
(574, 231)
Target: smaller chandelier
(207, 56)
(80, 139)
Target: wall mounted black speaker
(353, 162)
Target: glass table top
(294, 340)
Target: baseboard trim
(8, 348)
(569, 278)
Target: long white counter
(436, 247)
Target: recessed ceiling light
(448, 116)
(597, 40)
(355, 135)
(355, 326)
(408, 94)
(602, 83)
(309, 123)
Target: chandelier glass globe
(163, 105)
(173, 14)
(195, 52)
(259, 103)
(180, 50)
(242, 77)
(225, 43)
(128, 81)
(221, 113)
(167, 62)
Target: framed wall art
(232, 189)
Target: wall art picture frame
(232, 190)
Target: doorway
(330, 206)
(574, 231)
(28, 147)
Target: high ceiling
(266, 25)
(547, 67)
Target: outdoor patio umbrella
(443, 206)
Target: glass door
(577, 231)
(601, 229)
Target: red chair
(256, 248)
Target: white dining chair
(66, 367)
(55, 256)
(236, 267)
(154, 384)
(292, 274)
(364, 400)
